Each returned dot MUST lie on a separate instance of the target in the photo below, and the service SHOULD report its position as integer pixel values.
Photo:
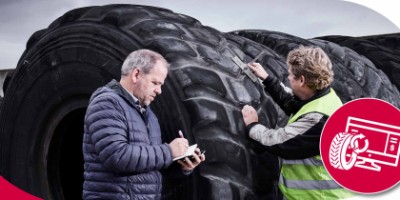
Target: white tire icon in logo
(344, 150)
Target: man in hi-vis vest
(309, 103)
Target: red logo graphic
(10, 192)
(360, 145)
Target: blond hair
(312, 63)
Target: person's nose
(158, 90)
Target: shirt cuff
(269, 80)
(248, 127)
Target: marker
(180, 133)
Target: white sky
(19, 19)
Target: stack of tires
(41, 119)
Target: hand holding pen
(198, 152)
(191, 162)
(179, 145)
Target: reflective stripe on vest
(308, 178)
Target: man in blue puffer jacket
(122, 146)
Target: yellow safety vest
(308, 178)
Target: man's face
(149, 85)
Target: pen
(180, 133)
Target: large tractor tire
(7, 77)
(41, 123)
(370, 81)
(385, 58)
(355, 76)
(282, 43)
(389, 41)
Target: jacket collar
(317, 95)
(118, 89)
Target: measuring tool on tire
(246, 69)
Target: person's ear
(302, 80)
(135, 75)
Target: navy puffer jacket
(122, 148)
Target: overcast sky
(19, 19)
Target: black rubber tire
(41, 125)
(383, 57)
(5, 85)
(370, 81)
(7, 80)
(388, 41)
(355, 76)
(274, 64)
(282, 43)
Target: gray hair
(143, 59)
